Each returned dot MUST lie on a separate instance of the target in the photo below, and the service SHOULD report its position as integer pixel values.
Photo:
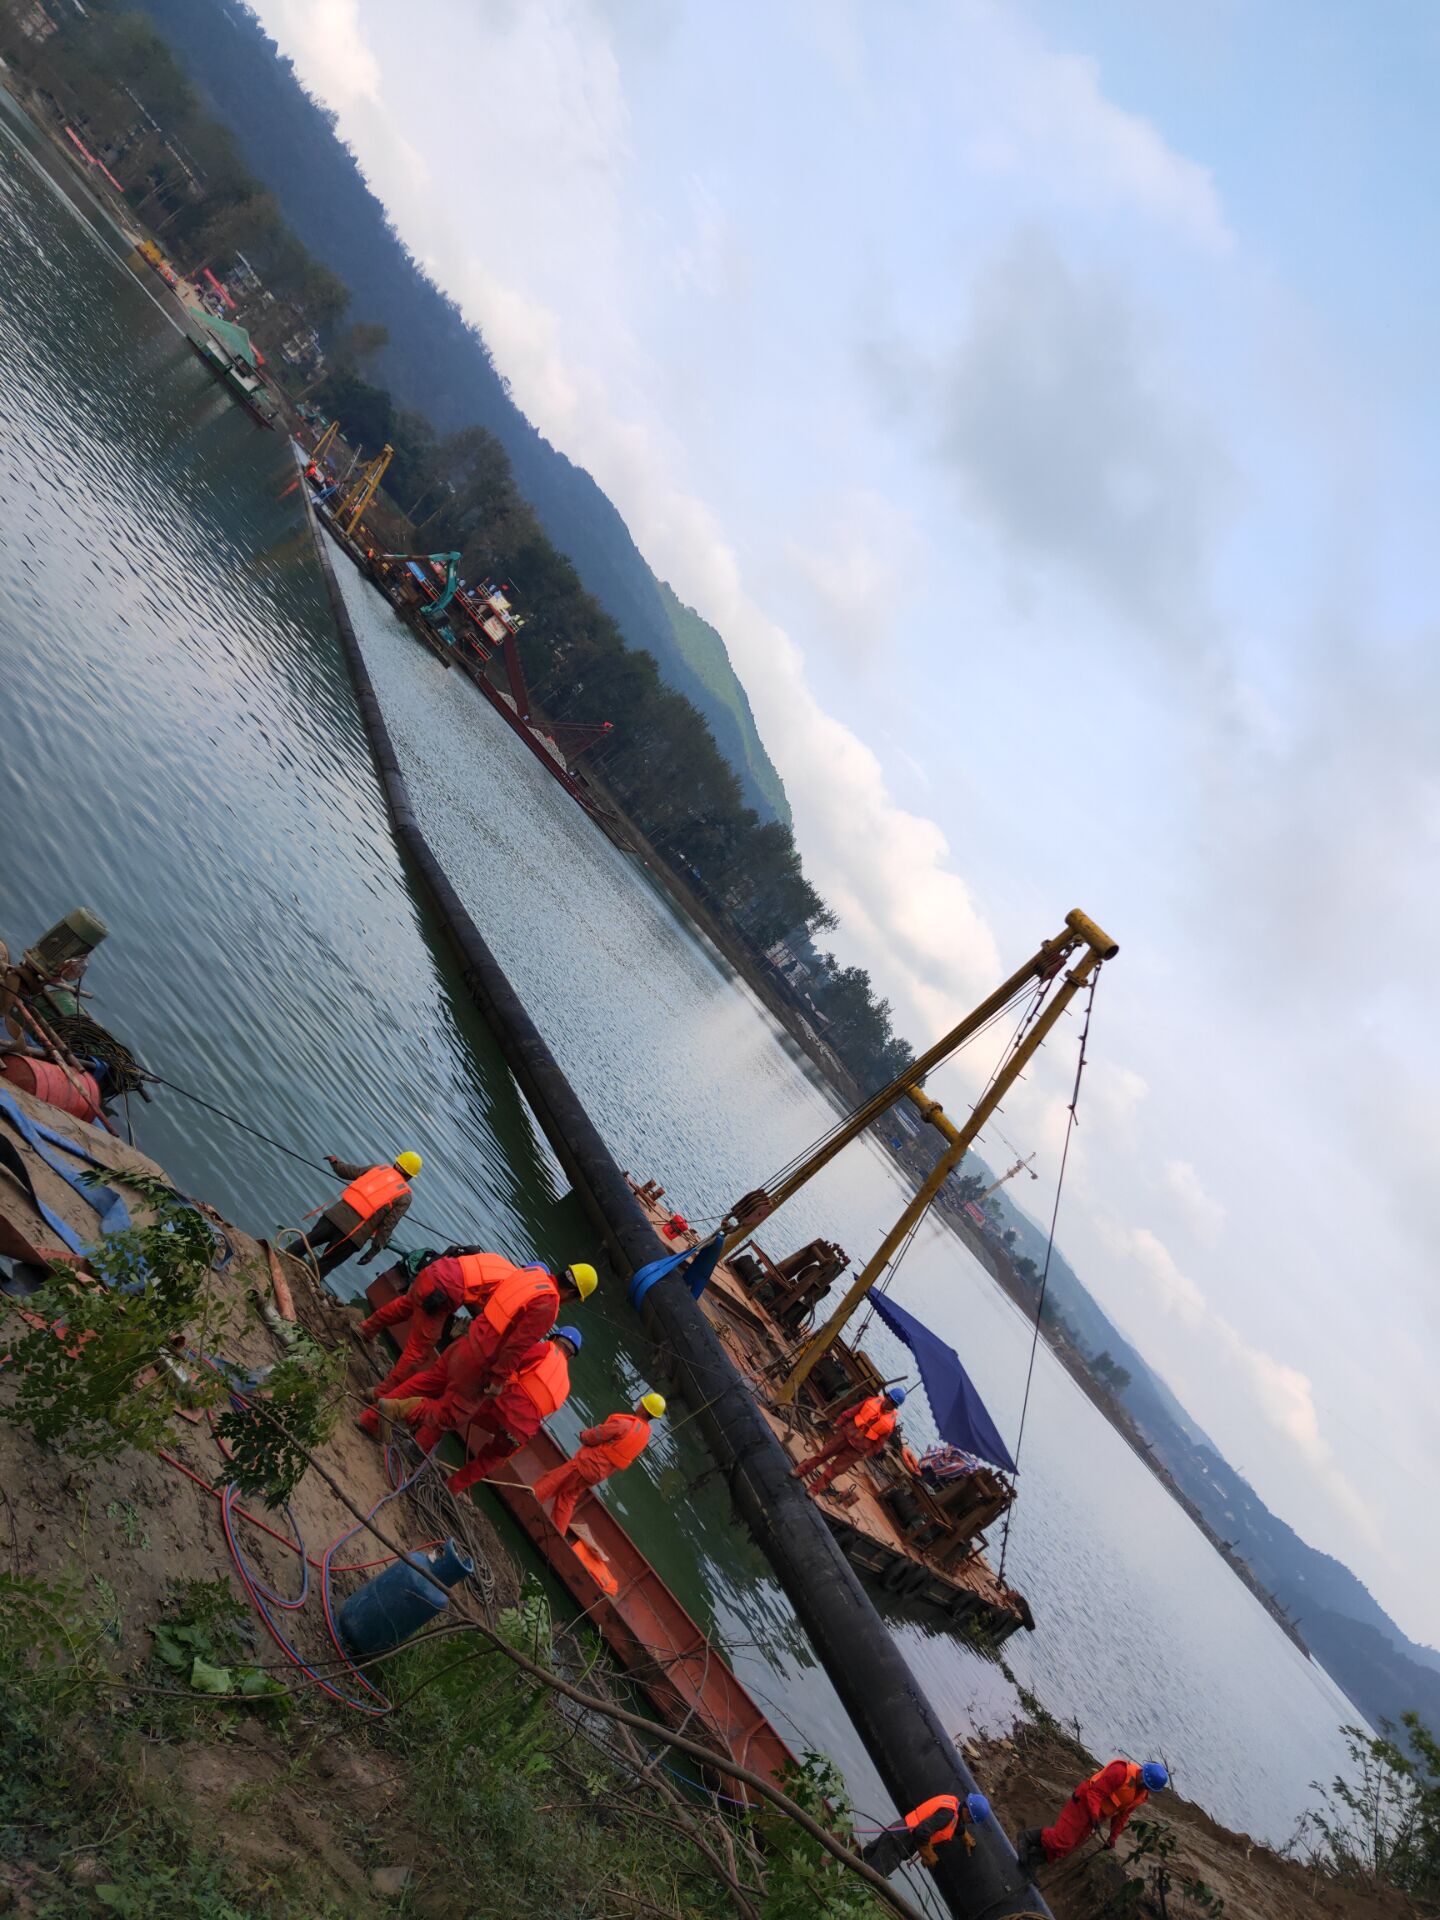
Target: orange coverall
(435, 1293)
(509, 1418)
(859, 1433)
(615, 1444)
(1111, 1794)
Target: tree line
(111, 75)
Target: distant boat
(232, 356)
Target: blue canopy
(959, 1412)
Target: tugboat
(916, 1526)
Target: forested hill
(437, 364)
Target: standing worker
(859, 1432)
(615, 1444)
(370, 1208)
(503, 1418)
(925, 1828)
(1112, 1794)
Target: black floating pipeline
(911, 1751)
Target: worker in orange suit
(615, 1444)
(463, 1277)
(371, 1207)
(519, 1306)
(859, 1432)
(1112, 1794)
(492, 1425)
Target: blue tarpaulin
(959, 1412)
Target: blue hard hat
(977, 1807)
(572, 1334)
(1154, 1776)
(896, 1395)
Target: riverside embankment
(903, 1735)
(179, 747)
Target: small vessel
(681, 1670)
(230, 354)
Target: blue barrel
(401, 1600)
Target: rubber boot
(1031, 1852)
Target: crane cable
(1025, 1020)
(1070, 1125)
(1029, 987)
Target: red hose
(216, 1493)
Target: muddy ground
(1029, 1777)
(127, 1533)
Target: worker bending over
(615, 1444)
(925, 1828)
(515, 1307)
(1112, 1794)
(370, 1209)
(859, 1432)
(462, 1277)
(502, 1419)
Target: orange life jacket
(874, 1418)
(375, 1189)
(512, 1291)
(926, 1807)
(1122, 1798)
(482, 1273)
(546, 1381)
(625, 1451)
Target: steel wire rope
(845, 1119)
(1070, 1125)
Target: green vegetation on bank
(496, 1802)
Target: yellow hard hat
(654, 1404)
(409, 1163)
(585, 1277)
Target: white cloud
(1071, 442)
(1221, 1358)
(1031, 110)
(1204, 1216)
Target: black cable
(823, 1139)
(290, 1153)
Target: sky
(1039, 398)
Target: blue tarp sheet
(960, 1413)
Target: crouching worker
(369, 1210)
(433, 1293)
(615, 1444)
(926, 1827)
(1112, 1794)
(500, 1419)
(859, 1432)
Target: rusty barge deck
(924, 1547)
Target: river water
(179, 750)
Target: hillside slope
(438, 364)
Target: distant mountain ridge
(439, 365)
(1365, 1652)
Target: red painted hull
(685, 1676)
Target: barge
(919, 1540)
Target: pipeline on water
(909, 1746)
